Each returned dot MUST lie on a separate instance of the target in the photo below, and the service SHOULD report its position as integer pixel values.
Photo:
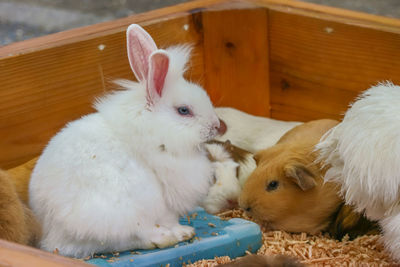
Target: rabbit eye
(184, 111)
(273, 185)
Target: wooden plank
(318, 66)
(42, 90)
(13, 255)
(332, 14)
(107, 28)
(236, 59)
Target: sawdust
(314, 250)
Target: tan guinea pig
(21, 175)
(286, 190)
(17, 222)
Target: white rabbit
(362, 154)
(252, 133)
(119, 178)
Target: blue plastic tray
(231, 238)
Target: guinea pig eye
(273, 185)
(184, 111)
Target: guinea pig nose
(232, 203)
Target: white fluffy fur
(363, 155)
(119, 178)
(246, 168)
(226, 186)
(248, 132)
(252, 133)
(228, 182)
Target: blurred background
(25, 19)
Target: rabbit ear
(159, 65)
(140, 45)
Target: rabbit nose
(221, 129)
(216, 124)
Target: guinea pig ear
(257, 158)
(140, 45)
(227, 145)
(301, 175)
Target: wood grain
(340, 15)
(13, 255)
(318, 66)
(43, 90)
(107, 28)
(236, 53)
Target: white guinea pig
(232, 167)
(249, 132)
(119, 178)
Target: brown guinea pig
(265, 261)
(21, 175)
(17, 222)
(286, 191)
(346, 221)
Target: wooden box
(283, 59)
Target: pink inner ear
(140, 45)
(158, 71)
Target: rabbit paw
(162, 237)
(183, 232)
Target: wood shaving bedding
(314, 250)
